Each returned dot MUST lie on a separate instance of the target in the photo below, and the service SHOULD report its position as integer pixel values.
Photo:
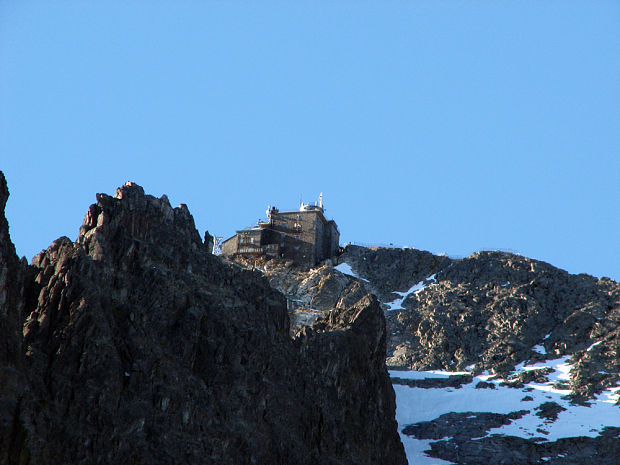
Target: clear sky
(446, 126)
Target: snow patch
(397, 304)
(561, 374)
(414, 405)
(417, 448)
(345, 268)
(410, 374)
(610, 396)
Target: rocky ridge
(134, 345)
(490, 311)
(504, 322)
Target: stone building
(304, 236)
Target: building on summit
(304, 236)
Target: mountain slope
(134, 345)
(517, 353)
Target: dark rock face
(462, 426)
(13, 386)
(10, 289)
(435, 383)
(502, 450)
(140, 347)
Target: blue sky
(446, 126)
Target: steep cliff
(134, 345)
(13, 384)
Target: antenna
(321, 200)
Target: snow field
(414, 405)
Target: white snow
(540, 349)
(415, 405)
(611, 395)
(410, 374)
(345, 268)
(416, 448)
(397, 304)
(561, 374)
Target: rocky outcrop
(500, 450)
(492, 311)
(11, 277)
(489, 311)
(13, 385)
(135, 345)
(462, 426)
(496, 310)
(386, 269)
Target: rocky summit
(135, 345)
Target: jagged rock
(139, 346)
(13, 385)
(11, 286)
(320, 288)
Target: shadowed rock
(135, 345)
